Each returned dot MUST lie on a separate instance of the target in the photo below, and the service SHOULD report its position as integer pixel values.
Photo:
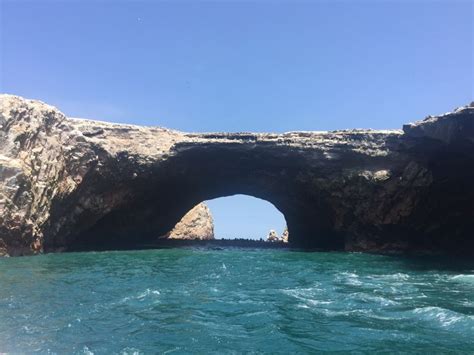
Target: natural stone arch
(152, 202)
(67, 181)
(127, 202)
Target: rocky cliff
(196, 224)
(66, 183)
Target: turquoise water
(191, 300)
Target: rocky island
(196, 224)
(66, 182)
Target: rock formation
(285, 236)
(272, 236)
(72, 184)
(196, 224)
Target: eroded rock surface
(196, 224)
(69, 184)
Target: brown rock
(196, 224)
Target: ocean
(197, 300)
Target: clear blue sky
(241, 65)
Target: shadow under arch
(143, 225)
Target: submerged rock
(196, 224)
(70, 184)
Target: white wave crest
(309, 297)
(375, 299)
(142, 295)
(445, 317)
(87, 351)
(349, 278)
(147, 293)
(463, 278)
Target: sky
(241, 66)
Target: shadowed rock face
(66, 184)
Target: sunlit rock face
(272, 236)
(196, 224)
(72, 184)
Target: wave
(307, 297)
(87, 351)
(142, 295)
(397, 277)
(390, 277)
(375, 299)
(148, 292)
(463, 278)
(349, 278)
(445, 317)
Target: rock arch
(156, 199)
(66, 181)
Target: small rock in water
(272, 236)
